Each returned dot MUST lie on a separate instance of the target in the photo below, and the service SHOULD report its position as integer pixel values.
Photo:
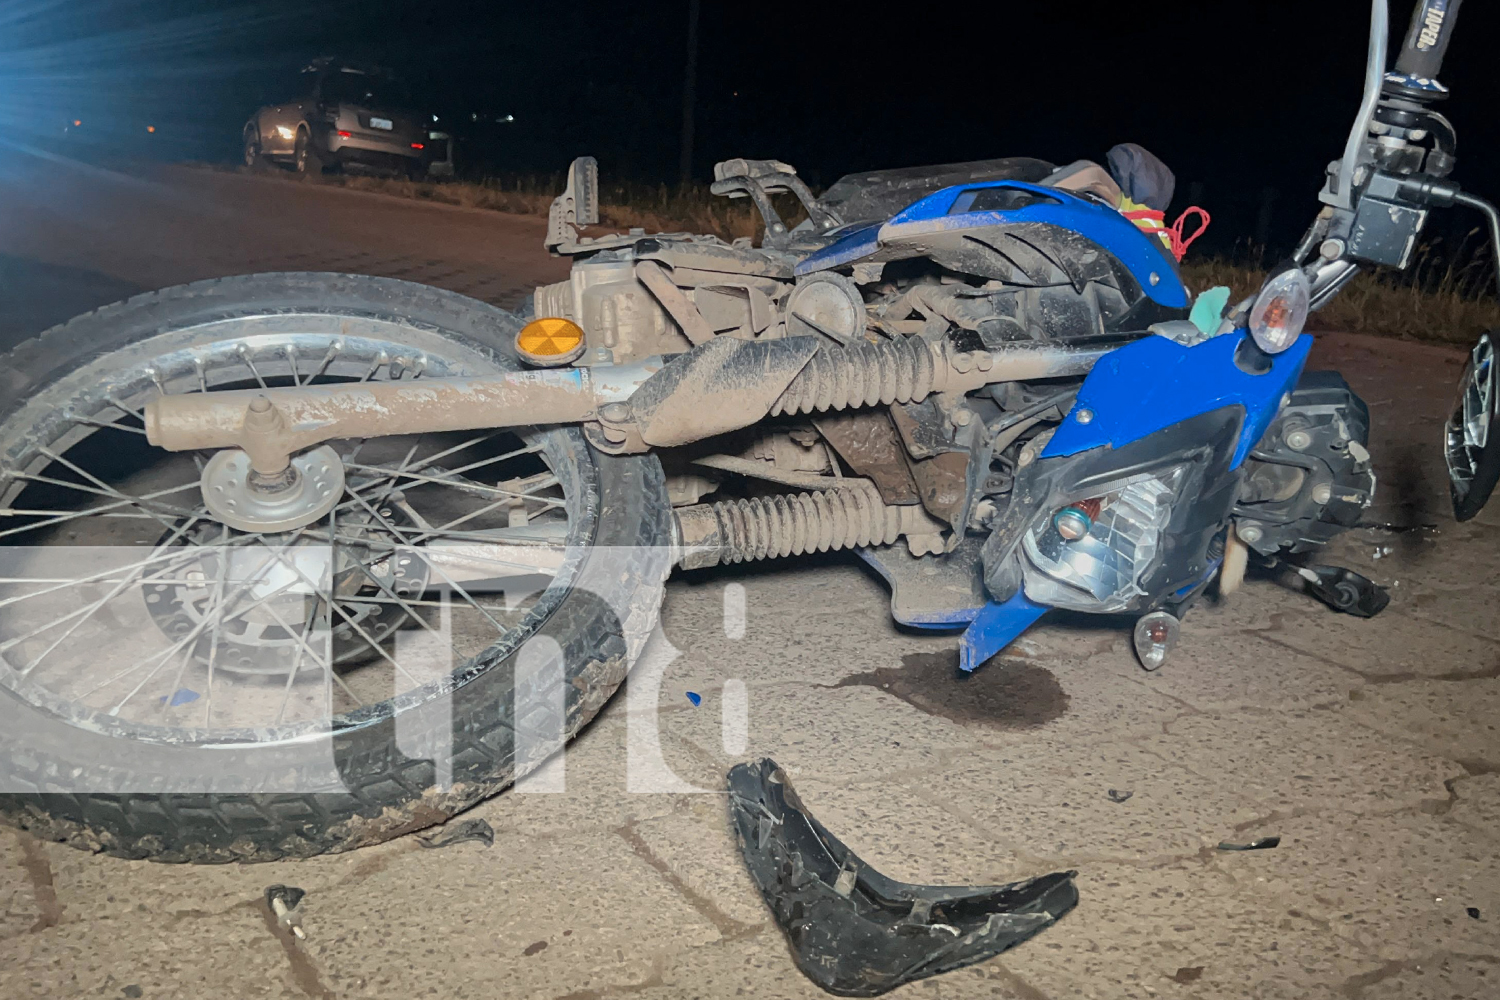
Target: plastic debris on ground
(852, 930)
(1264, 843)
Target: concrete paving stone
(1049, 802)
(1400, 641)
(1445, 977)
(1395, 886)
(528, 917)
(1227, 670)
(1310, 760)
(837, 734)
(760, 967)
(1445, 557)
(785, 636)
(233, 954)
(697, 845)
(1457, 719)
(594, 792)
(1477, 804)
(113, 891)
(1179, 930)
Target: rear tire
(162, 812)
(305, 159)
(252, 155)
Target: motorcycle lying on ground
(243, 519)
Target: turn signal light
(550, 341)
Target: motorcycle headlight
(1280, 311)
(1090, 554)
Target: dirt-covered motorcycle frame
(982, 378)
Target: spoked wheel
(281, 680)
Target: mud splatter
(1187, 974)
(1007, 692)
(533, 948)
(43, 891)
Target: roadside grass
(1435, 300)
(1440, 304)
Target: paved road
(1369, 747)
(74, 237)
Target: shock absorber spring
(734, 531)
(902, 370)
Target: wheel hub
(295, 586)
(242, 499)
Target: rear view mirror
(1472, 436)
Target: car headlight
(1090, 554)
(1280, 311)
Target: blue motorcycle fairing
(1142, 255)
(1153, 383)
(1140, 390)
(996, 626)
(988, 626)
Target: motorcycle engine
(1310, 476)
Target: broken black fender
(855, 932)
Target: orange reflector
(550, 341)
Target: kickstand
(1339, 588)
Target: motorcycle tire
(136, 784)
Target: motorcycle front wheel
(176, 688)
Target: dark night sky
(1238, 97)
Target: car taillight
(344, 135)
(417, 145)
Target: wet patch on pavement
(1006, 692)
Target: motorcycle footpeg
(1344, 590)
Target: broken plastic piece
(460, 833)
(1255, 845)
(1345, 590)
(1116, 795)
(695, 698)
(994, 627)
(855, 932)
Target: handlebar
(1427, 39)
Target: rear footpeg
(855, 932)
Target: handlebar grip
(1427, 39)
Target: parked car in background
(336, 114)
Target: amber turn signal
(549, 341)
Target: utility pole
(689, 96)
